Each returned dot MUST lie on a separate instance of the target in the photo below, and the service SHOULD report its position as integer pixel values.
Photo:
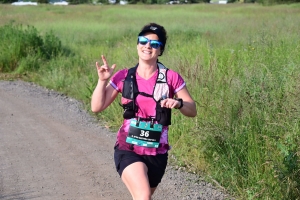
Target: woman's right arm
(104, 94)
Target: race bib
(144, 134)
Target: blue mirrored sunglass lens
(143, 40)
(154, 44)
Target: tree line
(264, 2)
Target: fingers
(101, 68)
(104, 71)
(97, 65)
(104, 60)
(105, 65)
(169, 103)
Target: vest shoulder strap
(162, 73)
(130, 88)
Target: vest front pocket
(163, 115)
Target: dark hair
(159, 31)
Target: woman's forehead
(150, 36)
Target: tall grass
(241, 64)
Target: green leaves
(19, 43)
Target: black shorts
(156, 164)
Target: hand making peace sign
(104, 71)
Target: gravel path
(50, 148)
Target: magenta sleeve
(117, 80)
(175, 80)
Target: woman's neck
(146, 69)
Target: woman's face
(146, 52)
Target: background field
(240, 61)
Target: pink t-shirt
(146, 108)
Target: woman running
(149, 93)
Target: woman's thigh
(155, 165)
(136, 180)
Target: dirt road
(51, 149)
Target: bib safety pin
(152, 123)
(138, 121)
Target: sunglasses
(153, 43)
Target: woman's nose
(148, 44)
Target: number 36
(144, 133)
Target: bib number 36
(144, 133)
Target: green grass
(241, 64)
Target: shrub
(18, 43)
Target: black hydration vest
(161, 91)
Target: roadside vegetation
(241, 64)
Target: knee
(142, 195)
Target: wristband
(181, 103)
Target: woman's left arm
(189, 106)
